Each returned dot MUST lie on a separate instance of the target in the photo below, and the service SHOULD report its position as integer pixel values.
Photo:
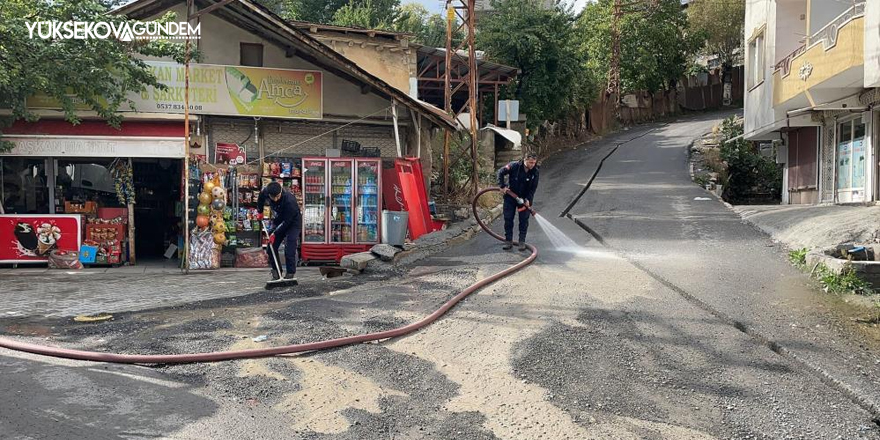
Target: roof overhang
(512, 135)
(260, 21)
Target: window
(251, 54)
(24, 185)
(851, 161)
(756, 60)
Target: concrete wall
(872, 43)
(391, 60)
(823, 11)
(758, 101)
(790, 27)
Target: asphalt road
(676, 321)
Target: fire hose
(286, 349)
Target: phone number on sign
(176, 107)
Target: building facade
(812, 78)
(262, 86)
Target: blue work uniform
(523, 182)
(287, 221)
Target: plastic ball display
(209, 186)
(219, 238)
(202, 221)
(205, 198)
(203, 210)
(219, 228)
(218, 204)
(218, 192)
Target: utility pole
(613, 89)
(465, 11)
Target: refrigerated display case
(341, 227)
(368, 213)
(342, 204)
(314, 173)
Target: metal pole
(131, 226)
(185, 253)
(473, 76)
(495, 109)
(396, 130)
(450, 17)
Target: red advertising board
(229, 154)
(392, 192)
(29, 238)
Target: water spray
(287, 349)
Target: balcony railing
(784, 65)
(828, 34)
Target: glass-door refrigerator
(368, 201)
(341, 201)
(315, 174)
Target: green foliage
(542, 44)
(654, 43)
(696, 69)
(99, 73)
(718, 25)
(428, 29)
(798, 258)
(750, 172)
(314, 11)
(845, 282)
(368, 14)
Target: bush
(750, 173)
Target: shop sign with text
(224, 90)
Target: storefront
(96, 172)
(852, 159)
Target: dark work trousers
(510, 212)
(290, 240)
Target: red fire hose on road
(287, 349)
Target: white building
(812, 78)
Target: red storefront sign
(29, 238)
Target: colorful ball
(218, 192)
(205, 198)
(203, 210)
(209, 186)
(218, 204)
(202, 221)
(219, 238)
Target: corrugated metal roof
(484, 66)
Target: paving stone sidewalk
(54, 293)
(814, 227)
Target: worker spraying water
(519, 193)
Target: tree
(428, 29)
(718, 24)
(368, 14)
(541, 43)
(98, 73)
(654, 42)
(411, 19)
(313, 11)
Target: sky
(436, 6)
